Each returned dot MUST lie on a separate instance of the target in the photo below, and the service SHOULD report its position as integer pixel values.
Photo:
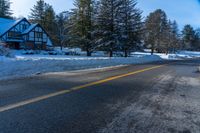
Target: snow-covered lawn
(27, 65)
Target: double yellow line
(40, 98)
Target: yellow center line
(40, 98)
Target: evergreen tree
(5, 11)
(38, 12)
(166, 40)
(175, 40)
(108, 32)
(130, 25)
(197, 40)
(171, 38)
(81, 27)
(50, 21)
(188, 37)
(156, 26)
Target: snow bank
(189, 53)
(177, 56)
(4, 51)
(26, 65)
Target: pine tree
(188, 37)
(50, 21)
(156, 26)
(165, 42)
(197, 40)
(175, 40)
(5, 11)
(82, 25)
(38, 12)
(108, 32)
(130, 25)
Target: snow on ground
(177, 56)
(25, 65)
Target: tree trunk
(89, 53)
(152, 51)
(111, 53)
(167, 52)
(125, 53)
(61, 46)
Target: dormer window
(24, 27)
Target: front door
(16, 45)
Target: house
(21, 34)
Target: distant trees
(171, 38)
(113, 26)
(174, 37)
(189, 37)
(196, 45)
(161, 34)
(156, 27)
(5, 11)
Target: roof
(7, 24)
(4, 20)
(30, 28)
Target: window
(24, 26)
(38, 34)
(13, 34)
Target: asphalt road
(149, 98)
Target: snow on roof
(30, 28)
(6, 24)
(4, 20)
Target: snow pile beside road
(177, 56)
(30, 64)
(26, 65)
(4, 51)
(189, 53)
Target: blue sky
(183, 11)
